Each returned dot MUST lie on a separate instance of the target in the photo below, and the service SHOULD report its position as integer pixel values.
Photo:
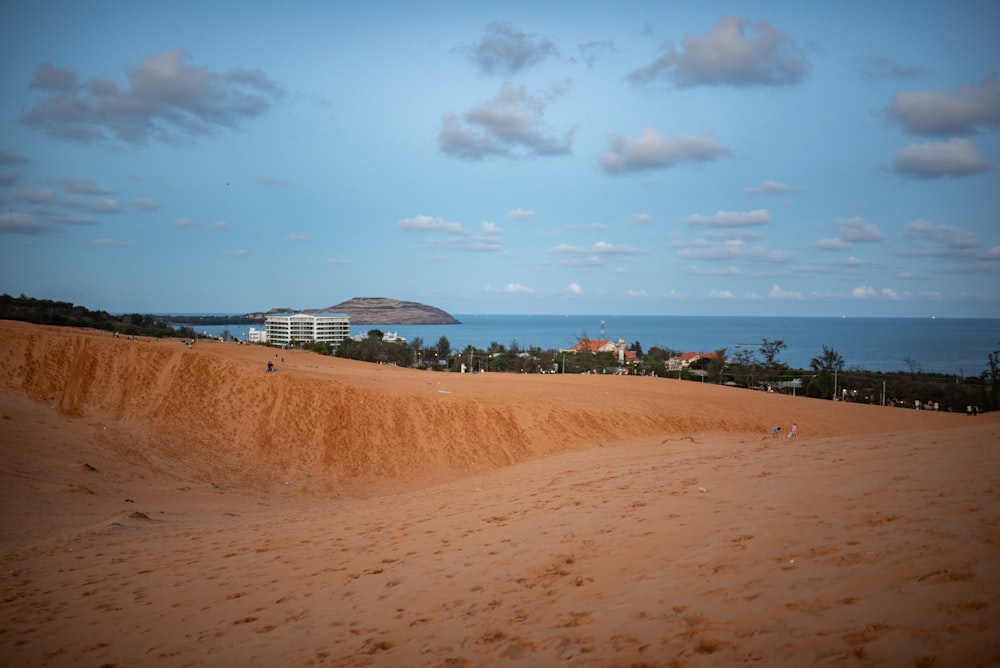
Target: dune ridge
(344, 421)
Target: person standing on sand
(794, 433)
(774, 431)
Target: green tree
(829, 360)
(417, 347)
(991, 381)
(747, 365)
(717, 365)
(443, 349)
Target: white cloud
(298, 237)
(429, 224)
(654, 151)
(165, 98)
(933, 159)
(771, 187)
(733, 249)
(509, 125)
(599, 248)
(574, 289)
(942, 113)
(642, 218)
(518, 289)
(720, 294)
(889, 293)
(777, 292)
(732, 218)
(857, 230)
(636, 293)
(863, 292)
(586, 262)
(720, 271)
(520, 214)
(834, 244)
(941, 240)
(732, 52)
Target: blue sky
(651, 158)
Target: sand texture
(173, 506)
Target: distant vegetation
(758, 368)
(65, 314)
(750, 367)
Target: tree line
(757, 367)
(66, 314)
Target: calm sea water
(938, 345)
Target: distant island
(378, 311)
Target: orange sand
(169, 506)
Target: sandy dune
(173, 506)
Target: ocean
(954, 346)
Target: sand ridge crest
(213, 407)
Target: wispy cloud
(509, 125)
(85, 186)
(504, 49)
(145, 204)
(429, 224)
(9, 159)
(32, 196)
(874, 67)
(599, 248)
(111, 243)
(777, 292)
(732, 219)
(852, 231)
(732, 249)
(651, 150)
(590, 52)
(164, 98)
(520, 214)
(732, 52)
(771, 187)
(941, 240)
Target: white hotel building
(288, 329)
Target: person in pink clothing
(794, 433)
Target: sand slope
(174, 506)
